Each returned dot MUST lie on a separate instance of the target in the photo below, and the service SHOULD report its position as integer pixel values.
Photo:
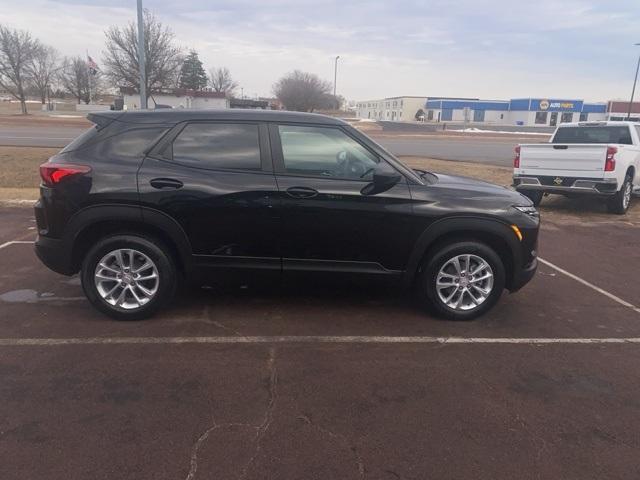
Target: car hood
(472, 188)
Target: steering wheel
(350, 166)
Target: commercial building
(619, 110)
(176, 98)
(392, 108)
(518, 111)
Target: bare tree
(17, 49)
(220, 80)
(303, 92)
(163, 58)
(42, 70)
(75, 79)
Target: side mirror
(383, 180)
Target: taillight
(610, 162)
(54, 173)
(516, 159)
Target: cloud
(497, 49)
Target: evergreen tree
(192, 74)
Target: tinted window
(595, 134)
(130, 143)
(218, 145)
(325, 152)
(81, 140)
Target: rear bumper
(578, 186)
(54, 255)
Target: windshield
(596, 134)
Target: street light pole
(633, 90)
(141, 59)
(335, 77)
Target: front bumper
(578, 186)
(524, 276)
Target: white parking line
(9, 342)
(590, 285)
(14, 242)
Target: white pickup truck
(585, 158)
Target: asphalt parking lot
(316, 382)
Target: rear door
(216, 180)
(328, 224)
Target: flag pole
(88, 74)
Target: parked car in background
(587, 158)
(146, 199)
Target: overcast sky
(477, 48)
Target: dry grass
(19, 166)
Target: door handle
(301, 192)
(166, 183)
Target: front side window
(218, 145)
(325, 152)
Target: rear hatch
(564, 160)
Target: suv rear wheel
(128, 277)
(462, 281)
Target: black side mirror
(383, 180)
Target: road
(494, 150)
(322, 382)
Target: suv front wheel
(128, 277)
(463, 280)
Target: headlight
(528, 210)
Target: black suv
(144, 200)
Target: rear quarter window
(81, 140)
(596, 134)
(130, 144)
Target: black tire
(155, 250)
(534, 196)
(619, 203)
(429, 273)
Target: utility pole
(141, 59)
(335, 78)
(633, 90)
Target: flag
(92, 66)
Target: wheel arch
(93, 223)
(496, 234)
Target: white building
(176, 98)
(392, 108)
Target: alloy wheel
(126, 278)
(464, 282)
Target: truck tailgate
(565, 160)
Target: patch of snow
(478, 130)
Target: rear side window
(599, 134)
(81, 140)
(218, 145)
(130, 143)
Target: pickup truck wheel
(619, 203)
(534, 196)
(463, 280)
(128, 277)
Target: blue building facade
(517, 111)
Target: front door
(216, 181)
(328, 223)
